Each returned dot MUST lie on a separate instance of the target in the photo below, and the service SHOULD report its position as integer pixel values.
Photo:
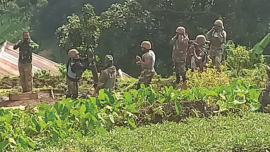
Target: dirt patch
(166, 112)
(39, 82)
(42, 98)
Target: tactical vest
(216, 43)
(180, 49)
(75, 76)
(25, 52)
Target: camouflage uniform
(264, 97)
(180, 46)
(107, 77)
(148, 71)
(217, 44)
(198, 53)
(25, 63)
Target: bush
(208, 78)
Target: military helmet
(146, 45)
(72, 53)
(108, 60)
(219, 23)
(200, 39)
(181, 30)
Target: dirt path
(42, 98)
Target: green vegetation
(245, 131)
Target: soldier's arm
(172, 41)
(102, 80)
(147, 61)
(17, 45)
(209, 34)
(77, 66)
(223, 37)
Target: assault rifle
(89, 58)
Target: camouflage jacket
(107, 79)
(25, 51)
(217, 40)
(180, 46)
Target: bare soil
(42, 98)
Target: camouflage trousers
(146, 77)
(216, 57)
(73, 89)
(26, 78)
(180, 67)
(264, 99)
(180, 70)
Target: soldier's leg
(177, 72)
(212, 57)
(148, 78)
(218, 59)
(22, 77)
(28, 76)
(75, 91)
(140, 80)
(69, 86)
(183, 71)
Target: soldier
(107, 77)
(75, 69)
(217, 37)
(180, 46)
(264, 97)
(198, 53)
(26, 46)
(147, 63)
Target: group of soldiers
(186, 54)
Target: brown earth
(42, 98)
(39, 82)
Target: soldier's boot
(177, 81)
(184, 86)
(74, 96)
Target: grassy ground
(248, 131)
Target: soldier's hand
(138, 62)
(138, 58)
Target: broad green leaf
(178, 108)
(131, 122)
(3, 144)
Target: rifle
(88, 54)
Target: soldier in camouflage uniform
(264, 97)
(180, 44)
(198, 53)
(107, 77)
(26, 46)
(217, 37)
(75, 69)
(147, 63)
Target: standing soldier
(198, 53)
(26, 46)
(147, 63)
(180, 45)
(75, 69)
(217, 37)
(264, 97)
(107, 77)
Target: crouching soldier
(147, 63)
(198, 53)
(107, 77)
(75, 69)
(264, 97)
